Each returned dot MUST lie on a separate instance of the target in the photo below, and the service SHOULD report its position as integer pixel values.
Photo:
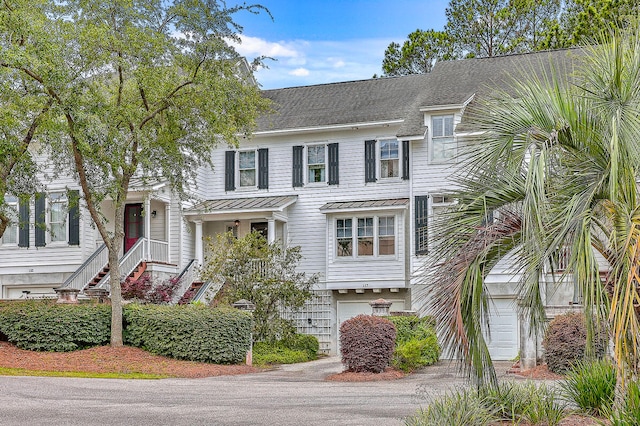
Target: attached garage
(504, 336)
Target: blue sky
(327, 41)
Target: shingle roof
(401, 98)
(367, 204)
(352, 102)
(242, 204)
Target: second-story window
(389, 158)
(443, 143)
(247, 168)
(316, 163)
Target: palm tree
(554, 164)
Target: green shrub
(518, 402)
(196, 333)
(565, 342)
(591, 386)
(303, 342)
(462, 407)
(270, 353)
(416, 342)
(43, 325)
(367, 343)
(294, 349)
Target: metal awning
(242, 205)
(345, 206)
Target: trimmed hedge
(43, 325)
(191, 332)
(367, 343)
(565, 342)
(416, 342)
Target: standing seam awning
(388, 204)
(239, 205)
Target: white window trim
(12, 202)
(429, 119)
(305, 154)
(240, 187)
(65, 218)
(354, 237)
(379, 161)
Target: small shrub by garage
(565, 342)
(416, 342)
(191, 332)
(294, 349)
(367, 343)
(43, 325)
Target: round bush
(367, 343)
(565, 342)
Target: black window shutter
(421, 222)
(370, 161)
(263, 168)
(41, 220)
(298, 176)
(405, 160)
(334, 164)
(74, 217)
(23, 231)
(230, 171)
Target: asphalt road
(292, 395)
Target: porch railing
(128, 263)
(89, 269)
(186, 278)
(158, 251)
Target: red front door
(133, 225)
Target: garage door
(503, 323)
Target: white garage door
(503, 323)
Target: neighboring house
(352, 172)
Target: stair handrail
(127, 265)
(208, 289)
(80, 278)
(185, 278)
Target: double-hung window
(247, 168)
(389, 158)
(443, 143)
(316, 164)
(374, 236)
(58, 209)
(10, 236)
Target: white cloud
(254, 46)
(299, 72)
(303, 62)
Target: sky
(314, 41)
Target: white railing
(186, 277)
(89, 269)
(207, 292)
(562, 261)
(158, 251)
(128, 263)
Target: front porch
(239, 216)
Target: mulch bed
(349, 376)
(105, 359)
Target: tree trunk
(116, 295)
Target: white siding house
(352, 172)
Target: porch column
(147, 228)
(167, 229)
(271, 231)
(199, 248)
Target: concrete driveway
(291, 395)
